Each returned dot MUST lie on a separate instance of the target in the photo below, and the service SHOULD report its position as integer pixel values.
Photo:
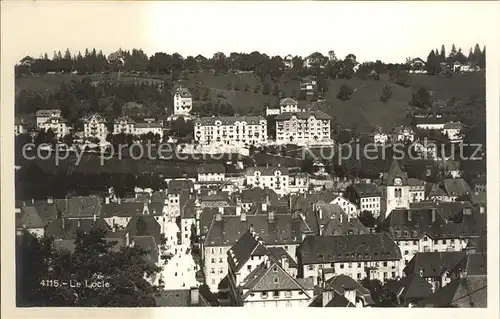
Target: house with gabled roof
(366, 196)
(373, 256)
(275, 178)
(410, 289)
(30, 220)
(183, 101)
(342, 291)
(260, 277)
(211, 172)
(79, 207)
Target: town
(261, 209)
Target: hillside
(364, 110)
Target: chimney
(95, 217)
(106, 200)
(238, 210)
(218, 217)
(409, 215)
(341, 217)
(270, 216)
(264, 206)
(481, 209)
(284, 263)
(221, 210)
(433, 215)
(63, 222)
(195, 296)
(119, 200)
(78, 224)
(127, 239)
(50, 200)
(32, 201)
(243, 217)
(252, 231)
(327, 296)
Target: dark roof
(411, 288)
(127, 209)
(434, 264)
(340, 283)
(211, 169)
(303, 202)
(473, 265)
(67, 228)
(266, 171)
(258, 195)
(469, 292)
(80, 206)
(367, 189)
(456, 187)
(303, 115)
(46, 211)
(348, 248)
(395, 171)
(177, 186)
(230, 120)
(159, 197)
(242, 250)
(188, 208)
(288, 101)
(183, 92)
(174, 298)
(29, 218)
(226, 232)
(339, 301)
(151, 227)
(278, 253)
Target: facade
(453, 130)
(365, 196)
(395, 189)
(416, 190)
(299, 183)
(124, 124)
(264, 277)
(417, 65)
(20, 126)
(275, 178)
(373, 256)
(288, 105)
(303, 128)
(211, 173)
(149, 126)
(183, 101)
(347, 206)
(245, 130)
(95, 127)
(403, 134)
(430, 123)
(58, 125)
(43, 116)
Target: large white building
(95, 127)
(43, 116)
(286, 105)
(245, 130)
(183, 101)
(275, 178)
(127, 125)
(58, 125)
(303, 128)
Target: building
(178, 192)
(43, 116)
(22, 125)
(183, 101)
(249, 197)
(264, 277)
(308, 85)
(124, 124)
(430, 123)
(272, 111)
(453, 130)
(417, 65)
(211, 173)
(347, 206)
(425, 229)
(470, 292)
(303, 128)
(58, 125)
(289, 105)
(274, 230)
(395, 189)
(435, 267)
(245, 130)
(299, 183)
(94, 126)
(403, 134)
(410, 290)
(416, 190)
(365, 196)
(288, 61)
(342, 291)
(379, 137)
(455, 188)
(274, 178)
(373, 256)
(149, 126)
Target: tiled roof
(79, 206)
(348, 248)
(288, 101)
(266, 171)
(230, 120)
(469, 292)
(318, 115)
(151, 227)
(395, 171)
(279, 253)
(367, 190)
(122, 209)
(429, 120)
(184, 92)
(159, 197)
(177, 186)
(340, 283)
(303, 202)
(97, 117)
(148, 125)
(453, 125)
(258, 195)
(456, 187)
(339, 301)
(211, 169)
(126, 119)
(280, 209)
(434, 190)
(226, 232)
(46, 113)
(174, 298)
(412, 287)
(29, 218)
(433, 264)
(473, 265)
(415, 182)
(242, 250)
(67, 228)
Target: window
(385, 263)
(359, 265)
(221, 270)
(249, 267)
(425, 238)
(341, 266)
(288, 293)
(221, 260)
(213, 260)
(286, 247)
(212, 270)
(415, 242)
(263, 295)
(310, 267)
(276, 280)
(406, 252)
(393, 274)
(350, 265)
(435, 242)
(276, 294)
(275, 269)
(358, 275)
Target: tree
(442, 55)
(421, 98)
(307, 165)
(367, 219)
(276, 90)
(68, 139)
(247, 88)
(345, 92)
(433, 63)
(93, 259)
(382, 296)
(206, 95)
(386, 94)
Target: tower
(395, 189)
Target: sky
(389, 31)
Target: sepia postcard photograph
(255, 154)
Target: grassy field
(364, 110)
